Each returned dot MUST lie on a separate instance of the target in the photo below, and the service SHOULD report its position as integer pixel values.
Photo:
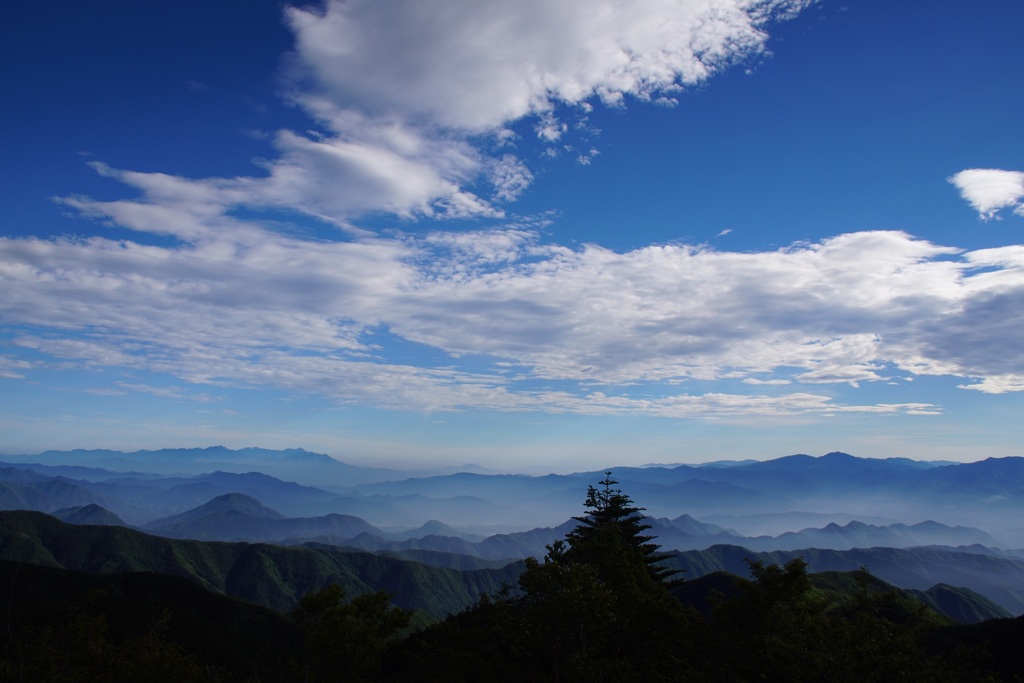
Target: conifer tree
(597, 608)
(599, 605)
(610, 537)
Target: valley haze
(913, 523)
(786, 494)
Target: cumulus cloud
(414, 96)
(408, 89)
(998, 385)
(990, 190)
(475, 66)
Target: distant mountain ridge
(297, 464)
(235, 516)
(860, 535)
(985, 494)
(238, 517)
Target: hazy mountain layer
(233, 507)
(798, 491)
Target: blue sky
(525, 234)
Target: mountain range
(913, 523)
(797, 491)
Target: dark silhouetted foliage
(599, 608)
(348, 640)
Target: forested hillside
(268, 575)
(604, 604)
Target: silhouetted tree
(779, 628)
(347, 641)
(599, 603)
(597, 608)
(610, 538)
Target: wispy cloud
(513, 322)
(166, 392)
(13, 368)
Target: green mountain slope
(961, 604)
(89, 514)
(276, 576)
(1000, 579)
(268, 575)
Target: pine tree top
(612, 531)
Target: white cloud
(344, 178)
(550, 129)
(330, 180)
(998, 385)
(989, 190)
(510, 178)
(474, 66)
(506, 316)
(167, 392)
(462, 255)
(13, 368)
(678, 311)
(405, 85)
(588, 158)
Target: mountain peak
(238, 502)
(89, 514)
